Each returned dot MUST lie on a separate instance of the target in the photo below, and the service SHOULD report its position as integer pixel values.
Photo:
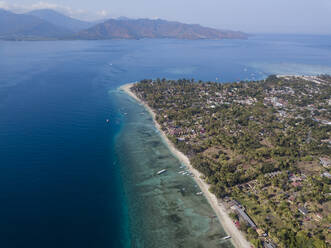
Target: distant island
(154, 29)
(50, 25)
(262, 148)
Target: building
(326, 174)
(291, 199)
(261, 232)
(325, 162)
(295, 178)
(318, 217)
(269, 245)
(303, 210)
(242, 214)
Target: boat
(107, 120)
(199, 193)
(161, 171)
(226, 237)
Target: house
(318, 217)
(176, 131)
(272, 174)
(291, 199)
(269, 245)
(303, 210)
(296, 184)
(328, 141)
(325, 162)
(295, 178)
(261, 232)
(326, 174)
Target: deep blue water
(60, 183)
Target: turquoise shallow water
(69, 179)
(164, 209)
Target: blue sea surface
(64, 171)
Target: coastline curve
(237, 238)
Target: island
(48, 24)
(259, 150)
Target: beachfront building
(242, 214)
(303, 210)
(325, 162)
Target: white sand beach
(237, 237)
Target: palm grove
(258, 143)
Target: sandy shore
(237, 237)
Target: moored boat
(161, 171)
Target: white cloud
(75, 13)
(3, 5)
(43, 5)
(8, 6)
(291, 68)
(103, 13)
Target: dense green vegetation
(259, 143)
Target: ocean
(70, 179)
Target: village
(263, 146)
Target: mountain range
(61, 20)
(26, 27)
(146, 28)
(48, 24)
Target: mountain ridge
(61, 20)
(24, 27)
(48, 24)
(147, 28)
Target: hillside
(21, 26)
(146, 28)
(61, 20)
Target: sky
(252, 16)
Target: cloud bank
(253, 16)
(67, 10)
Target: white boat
(161, 171)
(226, 237)
(199, 193)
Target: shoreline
(237, 238)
